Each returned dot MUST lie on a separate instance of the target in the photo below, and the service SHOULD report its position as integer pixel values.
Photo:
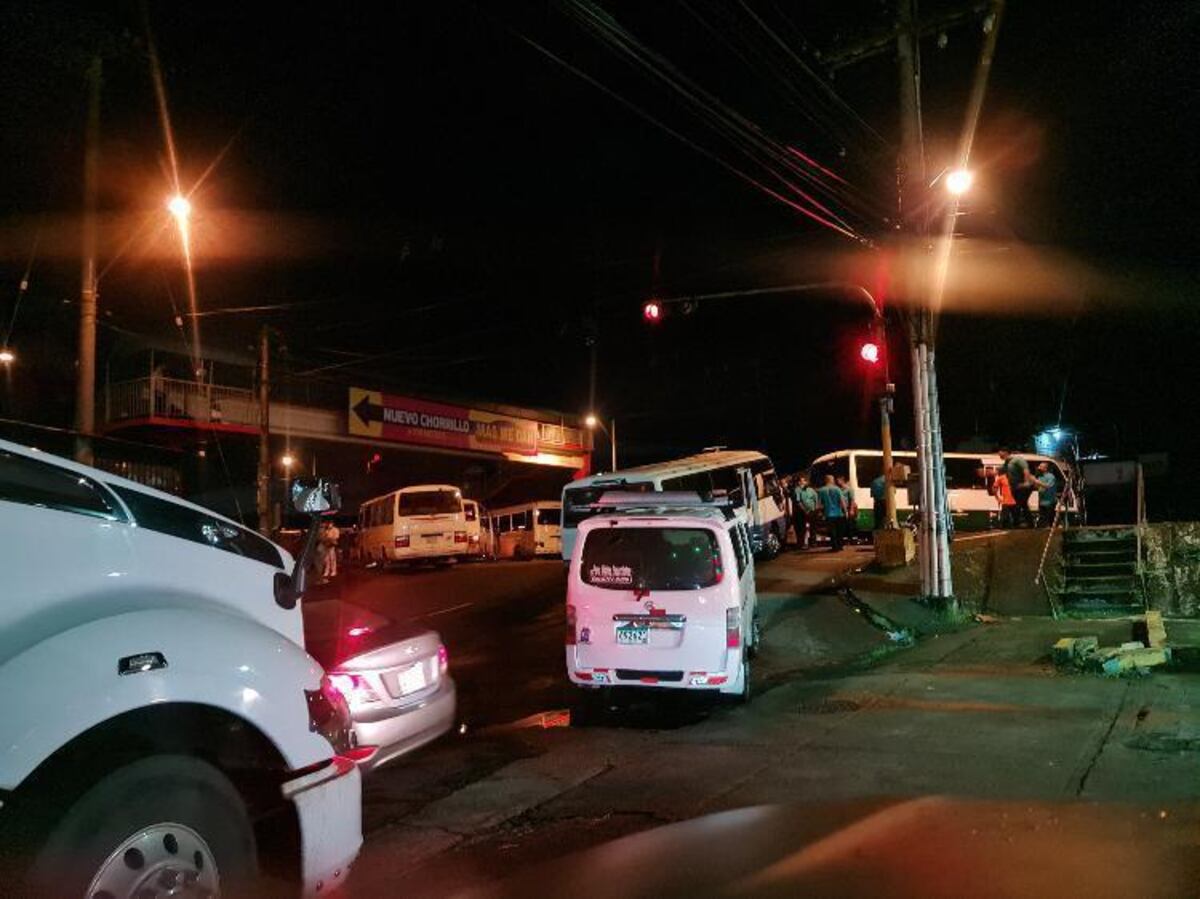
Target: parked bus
(528, 530)
(425, 522)
(480, 544)
(969, 478)
(746, 477)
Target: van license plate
(633, 634)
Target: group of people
(1015, 484)
(832, 503)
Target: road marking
(461, 605)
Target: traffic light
(869, 352)
(652, 311)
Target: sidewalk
(976, 713)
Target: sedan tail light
(443, 659)
(402, 541)
(460, 536)
(733, 628)
(355, 688)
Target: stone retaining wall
(1171, 567)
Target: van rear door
(651, 598)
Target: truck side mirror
(315, 496)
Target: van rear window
(638, 558)
(430, 502)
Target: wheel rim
(158, 861)
(773, 543)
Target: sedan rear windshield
(430, 502)
(639, 558)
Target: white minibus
(747, 478)
(528, 530)
(969, 478)
(424, 522)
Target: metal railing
(175, 398)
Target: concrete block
(1075, 650)
(1150, 631)
(894, 548)
(1127, 660)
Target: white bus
(528, 530)
(412, 524)
(969, 477)
(746, 477)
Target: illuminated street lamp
(7, 357)
(959, 181)
(611, 432)
(180, 207)
(287, 461)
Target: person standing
(804, 508)
(851, 530)
(1008, 505)
(833, 503)
(1022, 484)
(1047, 488)
(879, 498)
(329, 537)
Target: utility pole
(85, 381)
(263, 500)
(933, 534)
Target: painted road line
(461, 605)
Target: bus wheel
(772, 545)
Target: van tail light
(570, 635)
(733, 628)
(402, 541)
(460, 536)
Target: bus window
(469, 511)
(727, 479)
(867, 469)
(549, 516)
(839, 468)
(700, 483)
(965, 474)
(503, 523)
(520, 520)
(430, 502)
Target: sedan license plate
(633, 634)
(412, 680)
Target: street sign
(405, 419)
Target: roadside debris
(1147, 650)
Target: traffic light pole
(85, 377)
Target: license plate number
(412, 680)
(633, 635)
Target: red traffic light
(652, 311)
(870, 352)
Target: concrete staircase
(1100, 569)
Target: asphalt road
(502, 623)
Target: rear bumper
(409, 727)
(727, 680)
(328, 806)
(426, 552)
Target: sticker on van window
(610, 575)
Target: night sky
(433, 192)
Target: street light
(7, 356)
(287, 461)
(959, 181)
(180, 207)
(611, 432)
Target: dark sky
(437, 189)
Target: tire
(755, 637)
(173, 815)
(743, 696)
(772, 545)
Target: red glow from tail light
(443, 658)
(570, 634)
(402, 541)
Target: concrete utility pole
(933, 534)
(85, 379)
(263, 500)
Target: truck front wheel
(163, 825)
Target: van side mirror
(315, 496)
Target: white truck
(162, 730)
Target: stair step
(1097, 589)
(1116, 566)
(1125, 577)
(1093, 555)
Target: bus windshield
(651, 559)
(430, 502)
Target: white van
(745, 478)
(414, 524)
(660, 594)
(162, 724)
(969, 478)
(528, 530)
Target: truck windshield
(430, 502)
(651, 559)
